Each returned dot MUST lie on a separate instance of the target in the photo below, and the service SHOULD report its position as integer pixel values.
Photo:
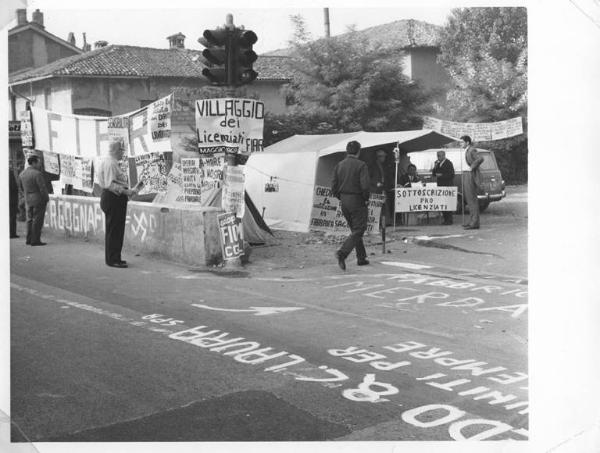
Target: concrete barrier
(189, 235)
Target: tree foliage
(345, 84)
(485, 52)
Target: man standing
(34, 189)
(381, 183)
(443, 171)
(351, 186)
(113, 202)
(13, 202)
(471, 182)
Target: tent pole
(462, 181)
(397, 161)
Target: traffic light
(216, 43)
(243, 57)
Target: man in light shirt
(113, 202)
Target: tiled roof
(401, 34)
(141, 62)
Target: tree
(346, 84)
(485, 52)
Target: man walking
(33, 186)
(351, 186)
(443, 171)
(471, 182)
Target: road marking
(258, 311)
(407, 265)
(343, 313)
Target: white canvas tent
(301, 162)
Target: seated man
(410, 177)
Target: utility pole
(326, 18)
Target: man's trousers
(356, 214)
(115, 212)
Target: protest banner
(231, 234)
(160, 118)
(232, 196)
(229, 125)
(174, 192)
(51, 163)
(151, 169)
(190, 179)
(325, 206)
(88, 136)
(421, 199)
(76, 180)
(67, 169)
(479, 132)
(150, 128)
(211, 174)
(374, 213)
(327, 213)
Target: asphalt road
(429, 342)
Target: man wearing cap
(33, 185)
(351, 186)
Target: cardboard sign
(160, 118)
(327, 213)
(191, 180)
(232, 196)
(67, 169)
(229, 125)
(230, 229)
(426, 199)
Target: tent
(301, 162)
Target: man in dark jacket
(471, 181)
(351, 186)
(13, 203)
(36, 197)
(443, 172)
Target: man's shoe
(471, 227)
(122, 262)
(341, 260)
(119, 265)
(362, 262)
(37, 244)
(14, 236)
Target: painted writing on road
(387, 288)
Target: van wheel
(483, 205)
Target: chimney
(21, 16)
(71, 38)
(100, 44)
(176, 41)
(38, 18)
(86, 47)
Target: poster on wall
(232, 196)
(51, 163)
(229, 125)
(230, 229)
(150, 128)
(151, 169)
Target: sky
(149, 26)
